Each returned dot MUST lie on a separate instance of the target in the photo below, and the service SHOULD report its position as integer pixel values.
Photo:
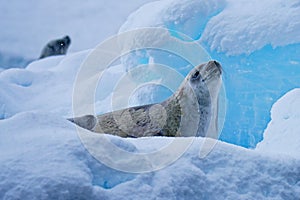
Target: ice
(257, 44)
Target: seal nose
(218, 65)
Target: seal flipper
(87, 122)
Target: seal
(56, 47)
(191, 111)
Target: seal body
(191, 111)
(56, 47)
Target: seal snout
(215, 64)
(67, 40)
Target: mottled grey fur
(188, 112)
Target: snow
(187, 16)
(23, 89)
(240, 33)
(282, 135)
(247, 19)
(51, 163)
(45, 156)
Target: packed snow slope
(42, 158)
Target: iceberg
(257, 43)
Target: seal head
(56, 47)
(204, 82)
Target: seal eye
(62, 44)
(196, 75)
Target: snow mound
(282, 135)
(51, 163)
(226, 26)
(8, 60)
(40, 86)
(188, 17)
(47, 85)
(255, 23)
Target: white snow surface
(41, 86)
(282, 135)
(248, 25)
(186, 16)
(256, 23)
(42, 156)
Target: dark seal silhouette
(56, 47)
